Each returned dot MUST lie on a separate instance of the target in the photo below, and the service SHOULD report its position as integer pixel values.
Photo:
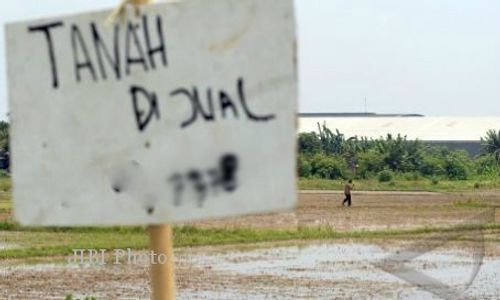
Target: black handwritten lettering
(102, 51)
(223, 178)
(228, 167)
(205, 106)
(225, 103)
(151, 101)
(194, 114)
(160, 49)
(77, 42)
(176, 180)
(215, 180)
(46, 29)
(199, 185)
(210, 115)
(131, 37)
(196, 107)
(250, 114)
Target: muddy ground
(371, 211)
(338, 269)
(293, 270)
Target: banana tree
(491, 144)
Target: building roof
(422, 128)
(351, 115)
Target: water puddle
(332, 264)
(315, 271)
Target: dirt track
(370, 210)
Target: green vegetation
(400, 183)
(385, 176)
(5, 197)
(39, 242)
(491, 144)
(470, 203)
(391, 160)
(4, 136)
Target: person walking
(348, 187)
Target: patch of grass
(5, 204)
(50, 242)
(470, 203)
(401, 184)
(5, 184)
(36, 244)
(10, 226)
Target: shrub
(331, 155)
(456, 166)
(385, 176)
(411, 176)
(328, 166)
(304, 165)
(370, 162)
(486, 165)
(309, 143)
(432, 166)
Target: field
(320, 250)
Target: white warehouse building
(453, 132)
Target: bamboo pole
(162, 275)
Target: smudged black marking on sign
(126, 177)
(117, 188)
(150, 210)
(196, 177)
(224, 178)
(178, 183)
(228, 167)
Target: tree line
(332, 155)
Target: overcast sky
(435, 57)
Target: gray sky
(435, 57)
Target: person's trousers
(347, 199)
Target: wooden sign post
(176, 112)
(162, 275)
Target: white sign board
(184, 111)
